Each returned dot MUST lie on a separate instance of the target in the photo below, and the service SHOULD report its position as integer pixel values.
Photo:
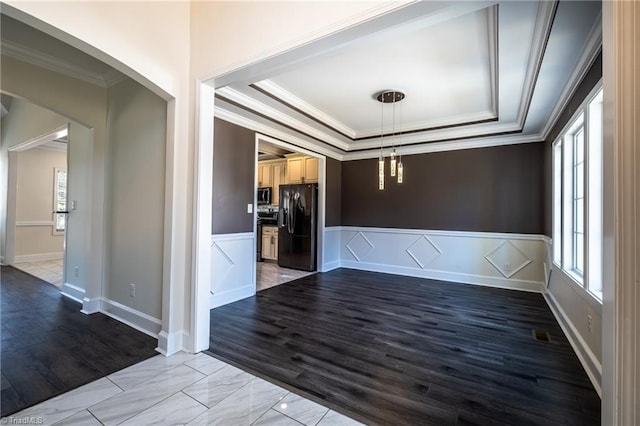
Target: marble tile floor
(191, 389)
(270, 275)
(47, 270)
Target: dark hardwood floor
(50, 347)
(395, 350)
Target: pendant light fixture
(395, 163)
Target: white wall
(34, 203)
(136, 128)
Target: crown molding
(590, 50)
(267, 130)
(542, 32)
(290, 100)
(254, 105)
(54, 64)
(454, 145)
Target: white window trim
(580, 119)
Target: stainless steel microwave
(264, 196)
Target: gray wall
(233, 178)
(136, 126)
(497, 189)
(586, 85)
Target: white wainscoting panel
(233, 268)
(331, 249)
(513, 261)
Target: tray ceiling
(477, 70)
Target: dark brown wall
(588, 83)
(333, 193)
(233, 178)
(497, 189)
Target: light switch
(249, 208)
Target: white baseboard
(133, 318)
(38, 257)
(91, 306)
(511, 284)
(72, 292)
(588, 360)
(330, 266)
(230, 296)
(171, 343)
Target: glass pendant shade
(393, 163)
(400, 172)
(381, 173)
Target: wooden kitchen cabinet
(264, 175)
(302, 169)
(278, 175)
(270, 242)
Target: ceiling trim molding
(493, 17)
(471, 120)
(411, 139)
(250, 124)
(543, 26)
(485, 142)
(280, 117)
(49, 62)
(421, 148)
(590, 51)
(277, 93)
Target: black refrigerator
(297, 226)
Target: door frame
(322, 180)
(12, 189)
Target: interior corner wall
(233, 178)
(136, 129)
(496, 189)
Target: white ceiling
(489, 71)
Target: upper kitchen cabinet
(264, 175)
(302, 169)
(279, 177)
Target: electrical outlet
(507, 267)
(76, 271)
(589, 322)
(132, 290)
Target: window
(577, 197)
(59, 200)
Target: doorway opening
(37, 204)
(289, 214)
